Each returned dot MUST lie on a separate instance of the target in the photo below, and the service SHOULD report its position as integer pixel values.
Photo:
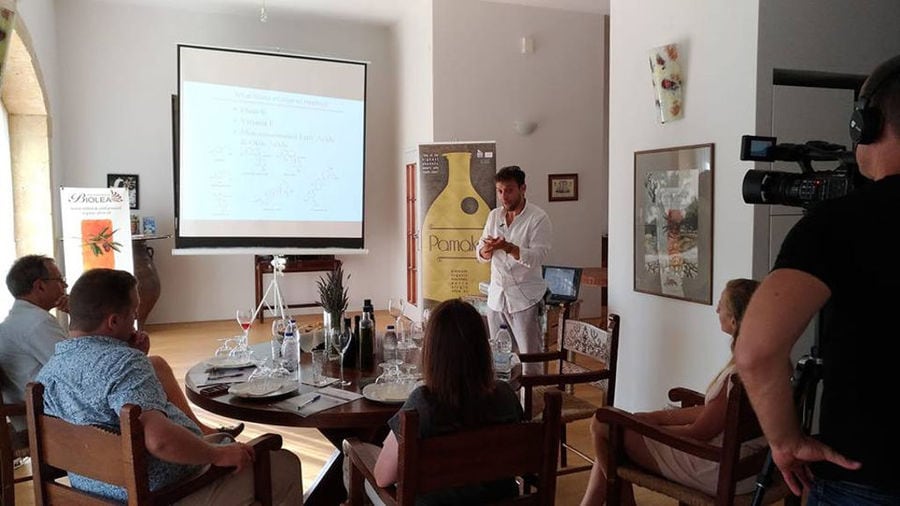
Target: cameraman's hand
(793, 460)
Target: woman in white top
(705, 423)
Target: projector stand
(278, 263)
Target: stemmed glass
(395, 309)
(341, 343)
(244, 319)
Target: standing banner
(456, 193)
(96, 227)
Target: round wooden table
(361, 418)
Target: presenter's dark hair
(510, 173)
(97, 294)
(456, 360)
(24, 272)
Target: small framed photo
(129, 181)
(562, 187)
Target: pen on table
(308, 402)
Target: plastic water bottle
(389, 344)
(290, 351)
(502, 351)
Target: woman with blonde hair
(704, 423)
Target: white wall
(118, 63)
(666, 342)
(413, 49)
(482, 84)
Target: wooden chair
(740, 426)
(58, 447)
(575, 338)
(472, 456)
(9, 451)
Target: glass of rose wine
(244, 319)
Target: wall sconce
(524, 127)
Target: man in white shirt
(516, 241)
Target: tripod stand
(805, 382)
(278, 263)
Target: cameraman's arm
(777, 315)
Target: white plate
(262, 389)
(228, 362)
(383, 393)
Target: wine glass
(342, 343)
(395, 309)
(244, 319)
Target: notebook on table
(563, 283)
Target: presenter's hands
(793, 458)
(140, 340)
(492, 244)
(236, 455)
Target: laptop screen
(563, 282)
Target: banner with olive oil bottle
(96, 230)
(456, 193)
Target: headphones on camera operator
(867, 120)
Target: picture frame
(673, 222)
(562, 187)
(129, 181)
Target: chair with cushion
(586, 354)
(59, 447)
(523, 449)
(740, 426)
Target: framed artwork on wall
(562, 187)
(129, 181)
(673, 222)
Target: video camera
(791, 189)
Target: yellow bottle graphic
(450, 233)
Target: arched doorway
(29, 190)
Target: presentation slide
(271, 150)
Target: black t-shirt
(502, 406)
(851, 244)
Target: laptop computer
(563, 283)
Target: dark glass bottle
(366, 343)
(368, 308)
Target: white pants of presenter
(237, 489)
(525, 327)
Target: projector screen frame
(264, 244)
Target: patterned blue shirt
(89, 379)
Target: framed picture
(562, 187)
(673, 222)
(129, 181)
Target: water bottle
(290, 351)
(502, 351)
(389, 344)
(366, 343)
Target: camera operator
(842, 258)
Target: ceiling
(382, 11)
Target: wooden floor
(183, 345)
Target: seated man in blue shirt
(103, 304)
(29, 334)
